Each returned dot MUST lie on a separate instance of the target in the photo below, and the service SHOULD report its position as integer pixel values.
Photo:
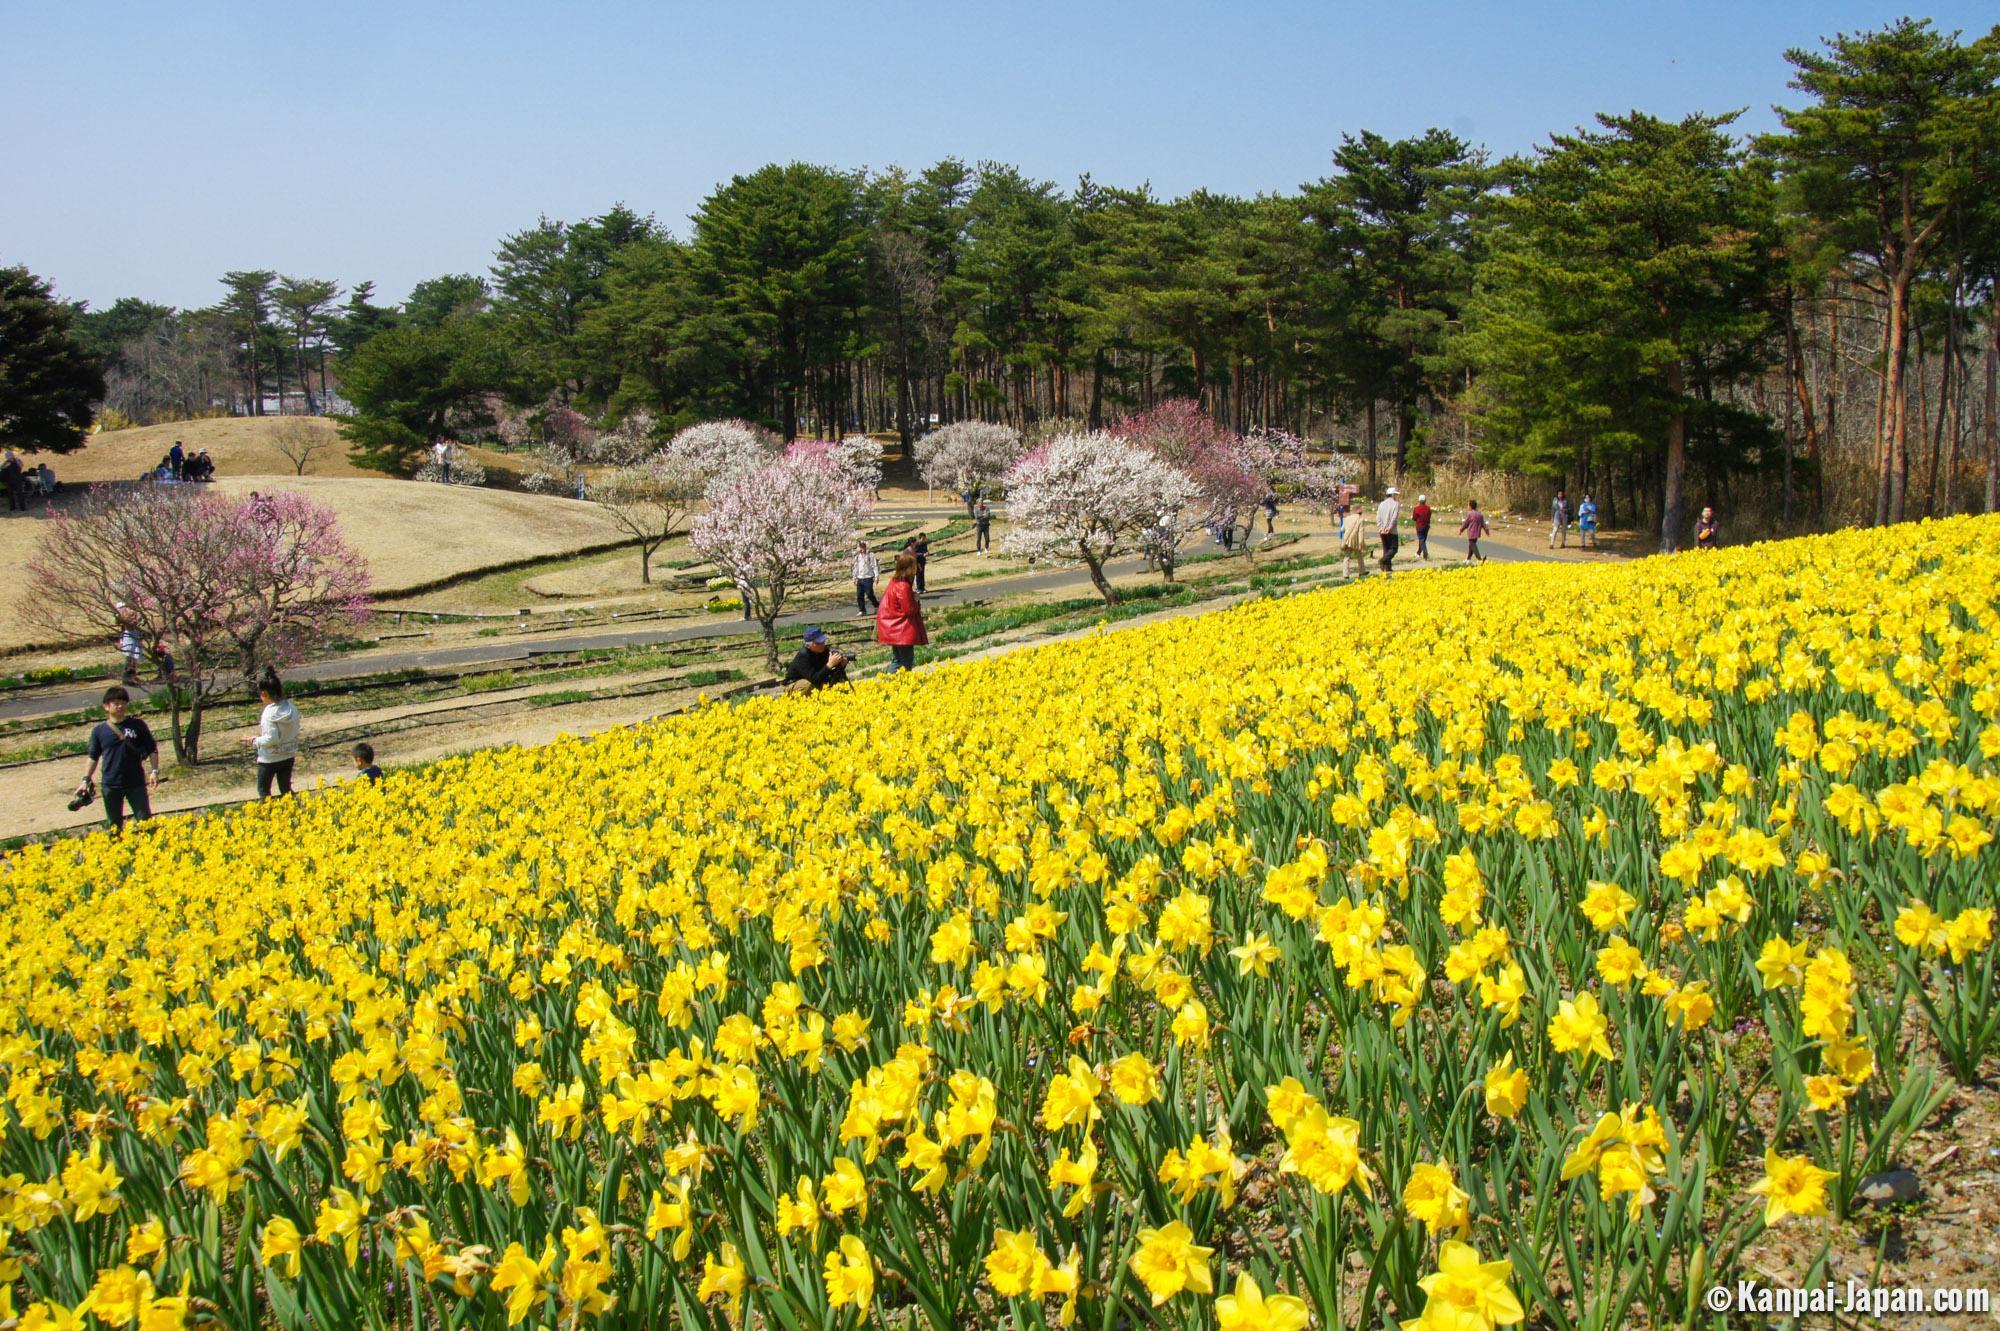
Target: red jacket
(1420, 517)
(899, 620)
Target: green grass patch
(52, 675)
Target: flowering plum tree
(966, 454)
(649, 491)
(857, 457)
(719, 449)
(1092, 497)
(216, 586)
(777, 529)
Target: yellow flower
(850, 1276)
(340, 1217)
(1506, 1088)
(723, 1276)
(1792, 1185)
(1169, 1262)
(1015, 1263)
(1255, 955)
(1134, 1080)
(1071, 1100)
(521, 1277)
(1433, 1196)
(1248, 1309)
(1466, 1292)
(281, 1246)
(1578, 1027)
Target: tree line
(1790, 324)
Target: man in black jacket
(817, 664)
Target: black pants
(920, 575)
(281, 772)
(982, 537)
(1389, 543)
(117, 797)
(906, 657)
(17, 497)
(865, 599)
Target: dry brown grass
(240, 446)
(411, 534)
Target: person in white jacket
(277, 737)
(866, 570)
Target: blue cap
(815, 634)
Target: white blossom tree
(777, 529)
(1093, 497)
(719, 449)
(650, 491)
(857, 457)
(648, 500)
(965, 455)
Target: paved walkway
(494, 651)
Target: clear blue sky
(151, 146)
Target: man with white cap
(1420, 519)
(1386, 514)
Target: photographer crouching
(817, 664)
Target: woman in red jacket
(899, 620)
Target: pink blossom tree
(1284, 457)
(1228, 480)
(965, 455)
(217, 587)
(778, 529)
(1093, 497)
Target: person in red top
(1420, 518)
(899, 619)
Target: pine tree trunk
(1671, 494)
(1896, 438)
(1993, 412)
(1371, 445)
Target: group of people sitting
(180, 465)
(21, 482)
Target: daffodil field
(1505, 945)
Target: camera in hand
(85, 793)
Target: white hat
(1394, 491)
(1423, 499)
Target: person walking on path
(124, 749)
(130, 645)
(13, 478)
(1270, 512)
(866, 570)
(1586, 523)
(441, 454)
(899, 621)
(277, 737)
(922, 550)
(1386, 514)
(1559, 520)
(1353, 542)
(982, 525)
(1420, 519)
(1473, 526)
(1706, 534)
